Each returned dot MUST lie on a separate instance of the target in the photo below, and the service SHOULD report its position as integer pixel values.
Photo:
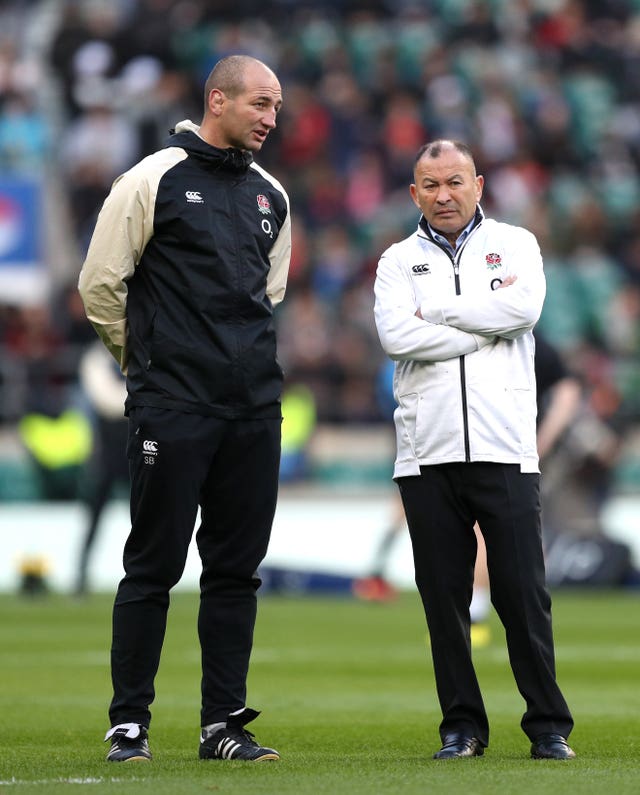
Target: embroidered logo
(194, 197)
(150, 451)
(493, 261)
(422, 268)
(264, 204)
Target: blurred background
(547, 93)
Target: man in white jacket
(455, 306)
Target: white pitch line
(16, 782)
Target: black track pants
(442, 505)
(179, 462)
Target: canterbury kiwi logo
(150, 447)
(194, 196)
(423, 268)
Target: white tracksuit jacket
(464, 377)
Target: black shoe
(551, 746)
(234, 741)
(458, 745)
(129, 743)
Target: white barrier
(330, 532)
(333, 532)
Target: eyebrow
(448, 179)
(267, 98)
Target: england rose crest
(263, 204)
(493, 261)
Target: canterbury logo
(423, 268)
(150, 447)
(194, 197)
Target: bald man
(188, 259)
(455, 306)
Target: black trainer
(234, 741)
(129, 743)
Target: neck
(451, 239)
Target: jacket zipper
(236, 362)
(455, 261)
(463, 371)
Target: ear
(479, 186)
(414, 195)
(215, 101)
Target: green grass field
(347, 694)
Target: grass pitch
(347, 694)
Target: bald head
(242, 97)
(229, 76)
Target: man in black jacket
(189, 256)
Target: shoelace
(242, 735)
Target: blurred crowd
(545, 91)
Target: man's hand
(507, 282)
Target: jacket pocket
(433, 422)
(501, 423)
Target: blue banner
(23, 274)
(20, 223)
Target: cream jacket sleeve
(280, 254)
(123, 229)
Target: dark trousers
(179, 462)
(442, 505)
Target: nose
(443, 194)
(269, 119)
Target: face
(245, 120)
(446, 190)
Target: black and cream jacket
(189, 256)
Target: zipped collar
(424, 229)
(186, 137)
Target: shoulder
(277, 195)
(150, 169)
(264, 174)
(508, 231)
(400, 249)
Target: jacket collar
(186, 136)
(423, 226)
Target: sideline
(326, 531)
(329, 531)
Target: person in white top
(455, 306)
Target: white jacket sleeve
(123, 228)
(508, 312)
(405, 336)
